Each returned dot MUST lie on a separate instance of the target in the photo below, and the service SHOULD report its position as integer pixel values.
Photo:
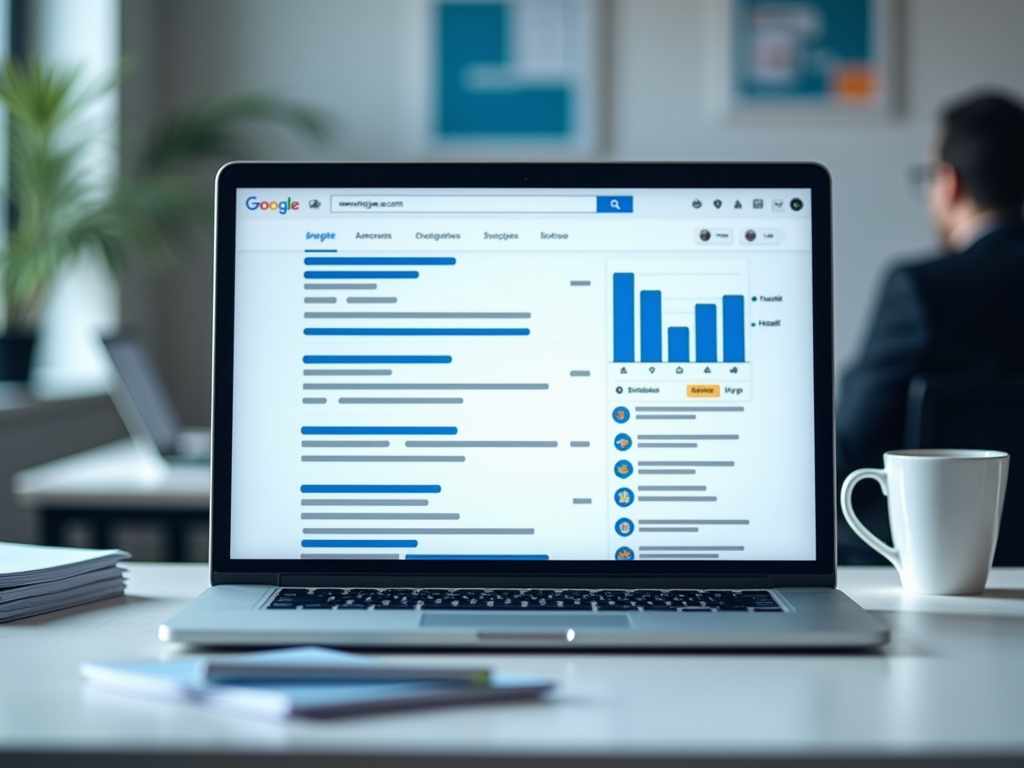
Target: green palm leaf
(59, 208)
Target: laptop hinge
(738, 581)
(724, 581)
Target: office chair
(955, 411)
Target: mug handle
(846, 502)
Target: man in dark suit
(959, 313)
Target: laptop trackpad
(524, 623)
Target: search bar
(362, 204)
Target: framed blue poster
(514, 74)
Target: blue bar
(650, 326)
(417, 331)
(679, 345)
(377, 359)
(477, 557)
(370, 489)
(380, 431)
(707, 333)
(623, 333)
(412, 275)
(321, 250)
(360, 543)
(732, 329)
(364, 261)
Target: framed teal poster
(829, 56)
(514, 74)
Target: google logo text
(281, 207)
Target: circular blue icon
(623, 553)
(621, 415)
(623, 468)
(624, 497)
(624, 526)
(623, 441)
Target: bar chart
(662, 312)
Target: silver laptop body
(523, 405)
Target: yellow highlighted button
(703, 390)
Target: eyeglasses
(920, 177)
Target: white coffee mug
(944, 511)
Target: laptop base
(235, 615)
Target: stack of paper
(312, 682)
(36, 579)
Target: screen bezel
(627, 176)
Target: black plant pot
(15, 356)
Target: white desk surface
(950, 685)
(113, 475)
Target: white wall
(362, 61)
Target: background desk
(949, 687)
(115, 483)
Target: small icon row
(624, 371)
(757, 203)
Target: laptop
(145, 407)
(523, 406)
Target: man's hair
(983, 139)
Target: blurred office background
(363, 65)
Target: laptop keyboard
(685, 600)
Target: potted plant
(58, 210)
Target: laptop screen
(550, 374)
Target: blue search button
(619, 204)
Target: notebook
(257, 684)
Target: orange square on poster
(854, 82)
